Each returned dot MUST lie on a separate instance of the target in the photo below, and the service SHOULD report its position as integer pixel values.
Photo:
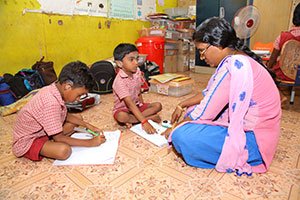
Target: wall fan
(246, 21)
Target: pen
(92, 132)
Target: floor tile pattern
(144, 171)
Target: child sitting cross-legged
(43, 127)
(129, 107)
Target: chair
(289, 62)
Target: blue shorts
(201, 145)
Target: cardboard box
(192, 56)
(186, 3)
(172, 88)
(183, 62)
(183, 47)
(170, 60)
(171, 64)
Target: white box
(172, 88)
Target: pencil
(92, 132)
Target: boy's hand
(96, 141)
(148, 128)
(94, 129)
(167, 132)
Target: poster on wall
(91, 7)
(144, 8)
(64, 7)
(122, 9)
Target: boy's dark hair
(77, 72)
(123, 49)
(296, 16)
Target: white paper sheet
(103, 154)
(157, 139)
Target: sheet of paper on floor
(157, 138)
(103, 154)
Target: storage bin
(184, 24)
(172, 88)
(176, 12)
(154, 48)
(173, 35)
(145, 32)
(163, 24)
(186, 33)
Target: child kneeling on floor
(129, 107)
(43, 127)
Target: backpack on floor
(85, 102)
(46, 70)
(16, 84)
(6, 95)
(23, 82)
(104, 74)
(32, 78)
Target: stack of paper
(103, 154)
(163, 78)
(157, 138)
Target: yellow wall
(25, 38)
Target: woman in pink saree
(235, 126)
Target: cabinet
(221, 8)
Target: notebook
(103, 154)
(157, 139)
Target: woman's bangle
(144, 121)
(180, 108)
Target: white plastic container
(172, 88)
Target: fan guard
(246, 21)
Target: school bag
(16, 84)
(104, 74)
(6, 95)
(23, 82)
(32, 79)
(46, 70)
(86, 101)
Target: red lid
(151, 39)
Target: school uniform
(43, 116)
(125, 86)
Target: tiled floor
(144, 171)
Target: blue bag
(6, 96)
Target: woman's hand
(148, 128)
(167, 132)
(176, 114)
